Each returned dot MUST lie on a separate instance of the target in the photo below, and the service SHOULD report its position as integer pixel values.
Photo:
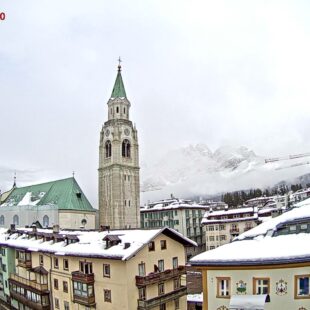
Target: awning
(248, 302)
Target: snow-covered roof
(172, 206)
(90, 243)
(256, 246)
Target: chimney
(12, 227)
(55, 228)
(126, 245)
(34, 228)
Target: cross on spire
(119, 63)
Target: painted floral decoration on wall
(241, 287)
(281, 287)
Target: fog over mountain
(196, 170)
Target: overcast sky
(213, 72)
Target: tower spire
(119, 89)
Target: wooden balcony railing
(160, 276)
(29, 283)
(24, 263)
(27, 302)
(155, 302)
(86, 301)
(234, 230)
(79, 276)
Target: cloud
(211, 72)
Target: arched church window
(16, 219)
(124, 110)
(108, 149)
(2, 220)
(117, 109)
(126, 148)
(46, 221)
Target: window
(152, 246)
(1, 220)
(161, 265)
(222, 227)
(211, 238)
(65, 286)
(66, 264)
(222, 237)
(106, 270)
(212, 247)
(162, 307)
(84, 222)
(124, 110)
(161, 288)
(126, 148)
(83, 289)
(56, 266)
(66, 305)
(41, 259)
(223, 288)
(261, 286)
(176, 283)
(211, 228)
(175, 263)
(107, 295)
(108, 149)
(117, 109)
(86, 268)
(141, 268)
(57, 303)
(15, 219)
(55, 284)
(163, 244)
(142, 293)
(46, 221)
(177, 304)
(302, 289)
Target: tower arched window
(108, 149)
(16, 219)
(46, 221)
(126, 148)
(2, 220)
(117, 109)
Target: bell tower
(119, 184)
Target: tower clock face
(127, 132)
(107, 132)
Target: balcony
(24, 263)
(247, 228)
(86, 301)
(160, 276)
(155, 302)
(88, 278)
(29, 303)
(14, 278)
(234, 230)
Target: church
(119, 184)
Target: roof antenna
(73, 173)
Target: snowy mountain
(196, 170)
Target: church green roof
(119, 89)
(66, 194)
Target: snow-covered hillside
(196, 170)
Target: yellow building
(267, 267)
(120, 269)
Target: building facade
(179, 214)
(60, 202)
(119, 183)
(130, 269)
(267, 267)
